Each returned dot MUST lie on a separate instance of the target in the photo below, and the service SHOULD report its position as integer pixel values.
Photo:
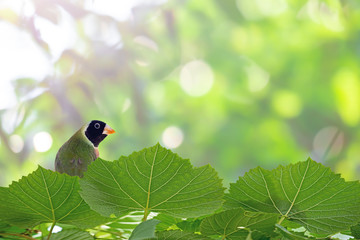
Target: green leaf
(45, 196)
(154, 179)
(237, 223)
(144, 230)
(72, 234)
(178, 235)
(307, 193)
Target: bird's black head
(97, 131)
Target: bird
(81, 149)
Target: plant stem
(146, 214)
(17, 235)
(51, 229)
(282, 219)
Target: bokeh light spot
(172, 137)
(126, 105)
(196, 78)
(42, 141)
(16, 143)
(287, 103)
(329, 15)
(347, 94)
(258, 78)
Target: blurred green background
(236, 84)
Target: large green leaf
(154, 179)
(238, 223)
(46, 196)
(144, 230)
(307, 193)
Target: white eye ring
(97, 125)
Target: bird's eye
(97, 125)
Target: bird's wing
(74, 158)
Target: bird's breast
(96, 152)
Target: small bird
(82, 148)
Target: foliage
(263, 204)
(306, 193)
(154, 179)
(46, 196)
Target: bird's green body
(75, 155)
(81, 149)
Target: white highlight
(16, 143)
(172, 137)
(59, 36)
(42, 141)
(196, 78)
(117, 9)
(21, 7)
(55, 229)
(106, 32)
(29, 61)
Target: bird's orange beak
(108, 130)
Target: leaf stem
(51, 229)
(281, 219)
(149, 186)
(17, 235)
(146, 214)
